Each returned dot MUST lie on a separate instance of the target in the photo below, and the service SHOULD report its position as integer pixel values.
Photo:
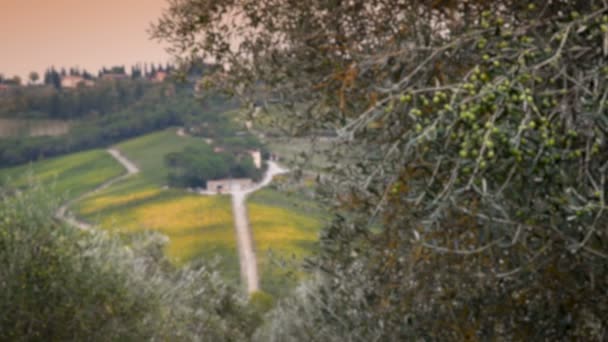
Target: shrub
(58, 283)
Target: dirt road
(63, 214)
(247, 258)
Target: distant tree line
(152, 112)
(83, 102)
(107, 95)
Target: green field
(148, 153)
(197, 226)
(67, 176)
(285, 231)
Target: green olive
(406, 98)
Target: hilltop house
(159, 77)
(72, 81)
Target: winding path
(63, 214)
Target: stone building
(222, 186)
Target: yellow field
(103, 202)
(283, 230)
(281, 234)
(195, 225)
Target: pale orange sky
(35, 34)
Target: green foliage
(194, 166)
(475, 134)
(103, 98)
(261, 301)
(59, 283)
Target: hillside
(68, 176)
(197, 226)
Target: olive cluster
(517, 109)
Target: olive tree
(58, 283)
(468, 177)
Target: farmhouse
(159, 76)
(221, 186)
(72, 81)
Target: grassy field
(198, 227)
(285, 230)
(67, 176)
(148, 152)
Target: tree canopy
(469, 173)
(194, 166)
